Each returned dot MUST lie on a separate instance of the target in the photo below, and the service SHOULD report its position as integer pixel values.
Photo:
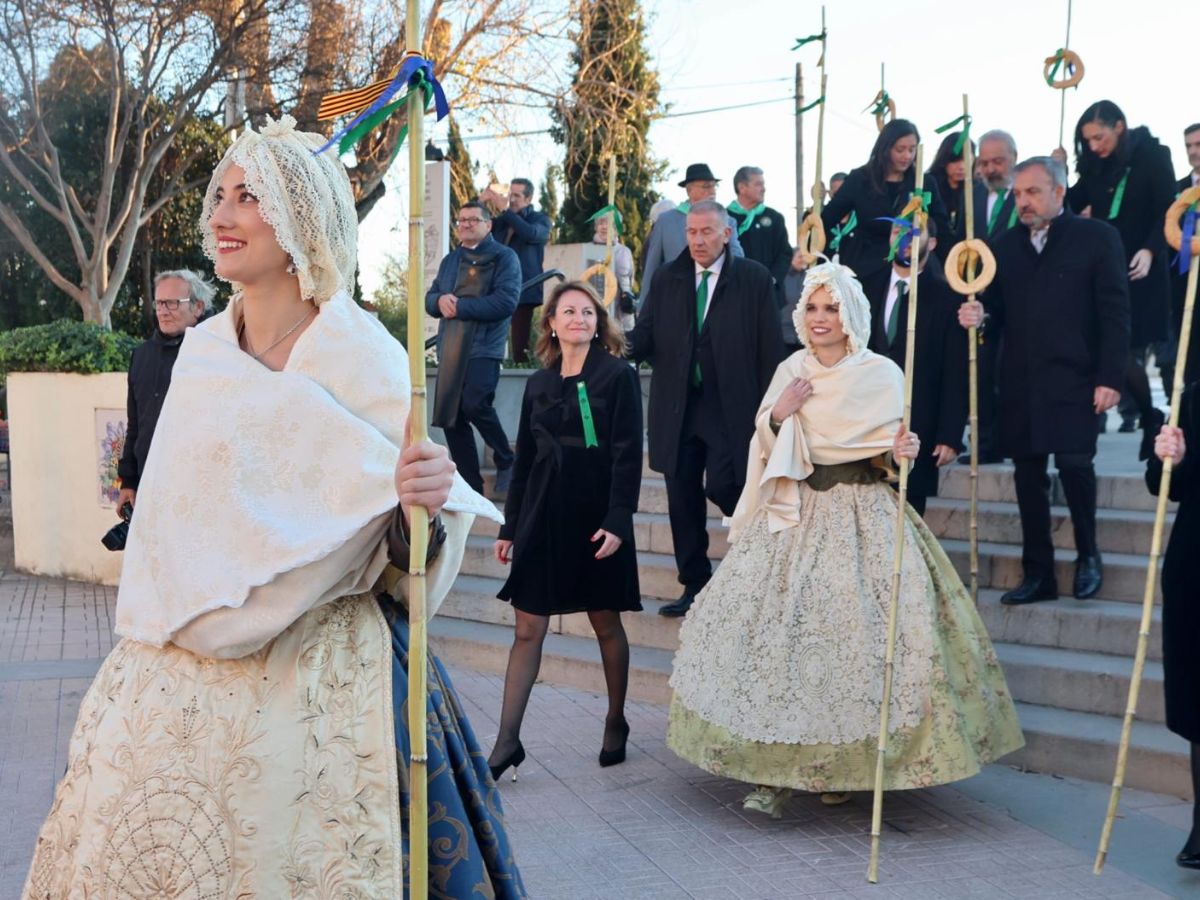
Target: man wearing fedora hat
(668, 237)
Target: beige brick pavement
(654, 827)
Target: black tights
(1192, 846)
(1137, 383)
(525, 659)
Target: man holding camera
(181, 299)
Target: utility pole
(800, 204)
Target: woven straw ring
(963, 254)
(810, 240)
(1071, 58)
(1178, 209)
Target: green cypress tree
(613, 99)
(548, 197)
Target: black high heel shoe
(612, 757)
(513, 759)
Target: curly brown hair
(547, 347)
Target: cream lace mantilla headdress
(854, 309)
(306, 199)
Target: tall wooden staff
(1064, 56)
(917, 206)
(1185, 205)
(418, 808)
(606, 270)
(810, 239)
(964, 276)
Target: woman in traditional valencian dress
(779, 674)
(247, 737)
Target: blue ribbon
(416, 71)
(904, 241)
(1185, 246)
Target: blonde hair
(548, 349)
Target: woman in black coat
(880, 189)
(568, 529)
(1126, 179)
(1181, 594)
(948, 172)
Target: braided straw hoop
(880, 118)
(964, 254)
(1171, 227)
(810, 240)
(610, 282)
(1071, 58)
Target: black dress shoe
(679, 607)
(1088, 577)
(1188, 860)
(1031, 590)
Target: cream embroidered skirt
(282, 774)
(779, 674)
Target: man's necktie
(893, 322)
(701, 305)
(996, 207)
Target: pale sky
(1137, 55)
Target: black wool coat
(738, 349)
(1180, 588)
(1149, 190)
(956, 216)
(866, 249)
(1064, 316)
(940, 389)
(149, 378)
(526, 234)
(563, 491)
(766, 242)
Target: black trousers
(1078, 477)
(475, 408)
(987, 359)
(704, 471)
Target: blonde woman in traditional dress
(779, 673)
(247, 737)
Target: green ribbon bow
(816, 102)
(372, 122)
(585, 412)
(842, 231)
(880, 106)
(800, 42)
(962, 138)
(616, 213)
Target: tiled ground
(654, 827)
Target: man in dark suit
(1061, 299)
(939, 399)
(762, 230)
(995, 214)
(710, 328)
(525, 231)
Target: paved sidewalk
(654, 827)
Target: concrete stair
(1068, 663)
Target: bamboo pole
(818, 188)
(1062, 104)
(799, 143)
(901, 516)
(418, 809)
(972, 352)
(612, 217)
(1160, 515)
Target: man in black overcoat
(710, 329)
(939, 399)
(762, 230)
(995, 215)
(1061, 299)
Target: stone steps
(1059, 741)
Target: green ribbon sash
(1118, 196)
(685, 207)
(843, 231)
(750, 214)
(585, 412)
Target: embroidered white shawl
(269, 493)
(853, 413)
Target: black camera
(115, 537)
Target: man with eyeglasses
(181, 299)
(474, 294)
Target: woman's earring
(291, 269)
(554, 334)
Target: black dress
(1180, 588)
(1149, 190)
(865, 250)
(563, 491)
